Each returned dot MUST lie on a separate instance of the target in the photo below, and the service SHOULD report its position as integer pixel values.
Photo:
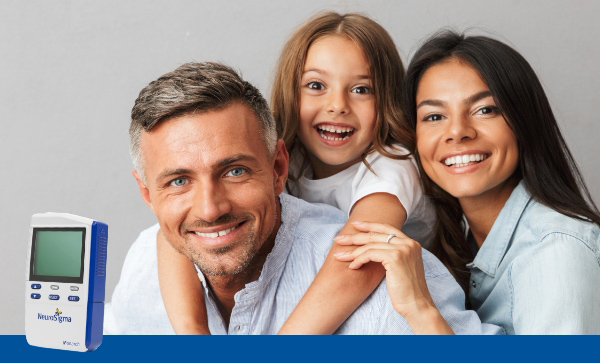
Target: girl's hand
(401, 257)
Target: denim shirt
(538, 271)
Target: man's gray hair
(191, 89)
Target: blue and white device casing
(66, 312)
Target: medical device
(66, 275)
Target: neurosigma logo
(56, 317)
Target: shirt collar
(496, 244)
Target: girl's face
(465, 145)
(337, 105)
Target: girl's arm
(405, 275)
(181, 290)
(337, 290)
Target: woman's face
(465, 145)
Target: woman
(491, 154)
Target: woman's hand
(405, 275)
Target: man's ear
(281, 161)
(143, 190)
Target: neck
(225, 287)
(481, 211)
(322, 170)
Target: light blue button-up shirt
(538, 271)
(301, 245)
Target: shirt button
(239, 327)
(473, 283)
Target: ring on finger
(389, 238)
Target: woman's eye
(179, 182)
(434, 117)
(318, 86)
(487, 110)
(362, 90)
(236, 172)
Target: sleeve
(449, 299)
(556, 288)
(136, 306)
(397, 177)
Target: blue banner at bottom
(308, 349)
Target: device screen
(57, 254)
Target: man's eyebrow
(234, 159)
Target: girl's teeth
(335, 138)
(337, 130)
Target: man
(210, 166)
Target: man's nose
(210, 202)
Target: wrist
(425, 318)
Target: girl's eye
(318, 86)
(179, 182)
(362, 90)
(487, 110)
(236, 172)
(434, 117)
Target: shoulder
(136, 305)
(376, 159)
(543, 226)
(315, 223)
(386, 175)
(554, 274)
(143, 251)
(554, 250)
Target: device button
(74, 288)
(36, 286)
(35, 296)
(73, 298)
(54, 297)
(54, 287)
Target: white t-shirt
(396, 177)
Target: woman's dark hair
(546, 165)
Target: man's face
(213, 186)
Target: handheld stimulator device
(66, 274)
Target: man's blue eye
(179, 182)
(236, 172)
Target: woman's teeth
(464, 160)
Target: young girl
(337, 103)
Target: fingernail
(340, 254)
(339, 238)
(358, 222)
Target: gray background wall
(71, 70)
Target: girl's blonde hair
(387, 76)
